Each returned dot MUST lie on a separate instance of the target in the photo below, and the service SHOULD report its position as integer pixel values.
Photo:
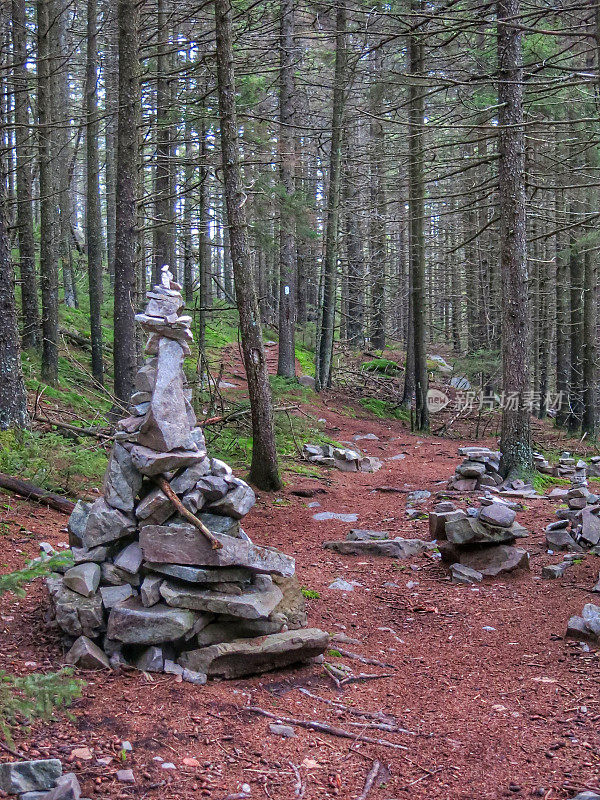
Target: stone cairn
(577, 527)
(165, 579)
(343, 458)
(479, 542)
(479, 470)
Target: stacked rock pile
(478, 543)
(38, 780)
(342, 458)
(585, 628)
(479, 469)
(164, 576)
(568, 467)
(577, 528)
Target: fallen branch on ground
(74, 428)
(28, 491)
(314, 725)
(362, 659)
(370, 781)
(298, 786)
(241, 413)
(164, 485)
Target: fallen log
(30, 492)
(73, 428)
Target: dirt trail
(508, 712)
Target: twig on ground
(74, 428)
(360, 678)
(363, 659)
(314, 725)
(11, 751)
(370, 781)
(298, 786)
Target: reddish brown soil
(512, 712)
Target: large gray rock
(113, 576)
(150, 590)
(111, 595)
(151, 660)
(591, 615)
(29, 776)
(146, 377)
(472, 531)
(202, 575)
(212, 488)
(248, 605)
(189, 477)
(155, 507)
(86, 655)
(229, 629)
(554, 571)
(438, 520)
(77, 523)
(362, 535)
(498, 514)
(75, 615)
(67, 788)
(237, 502)
(106, 524)
(217, 524)
(129, 559)
(184, 544)
(471, 469)
(463, 574)
(249, 656)
(562, 540)
(81, 555)
(132, 623)
(83, 579)
(151, 463)
(578, 629)
(492, 561)
(393, 548)
(590, 527)
(166, 426)
(122, 481)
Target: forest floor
(498, 703)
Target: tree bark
(93, 216)
(264, 472)
(324, 354)
(286, 364)
(515, 441)
(48, 257)
(416, 123)
(126, 234)
(28, 279)
(13, 399)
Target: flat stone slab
(249, 656)
(472, 531)
(463, 574)
(492, 561)
(111, 595)
(29, 776)
(132, 623)
(323, 516)
(360, 535)
(200, 575)
(184, 544)
(498, 514)
(248, 605)
(150, 463)
(393, 548)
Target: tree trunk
(515, 438)
(48, 258)
(263, 470)
(378, 204)
(416, 123)
(126, 234)
(324, 354)
(286, 365)
(111, 69)
(93, 217)
(13, 399)
(28, 280)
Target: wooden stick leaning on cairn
(165, 487)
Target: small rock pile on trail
(343, 458)
(164, 578)
(478, 470)
(577, 527)
(478, 543)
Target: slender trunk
(126, 234)
(263, 470)
(93, 216)
(378, 205)
(28, 279)
(162, 216)
(48, 258)
(112, 111)
(324, 354)
(416, 123)
(286, 365)
(13, 399)
(515, 438)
